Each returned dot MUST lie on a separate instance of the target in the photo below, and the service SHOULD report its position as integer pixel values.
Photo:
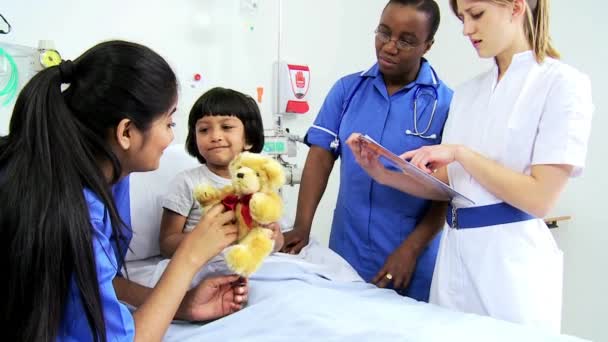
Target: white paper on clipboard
(430, 183)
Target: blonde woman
(514, 136)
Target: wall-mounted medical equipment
(7, 28)
(9, 78)
(49, 56)
(293, 84)
(18, 64)
(280, 144)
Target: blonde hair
(536, 26)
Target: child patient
(222, 124)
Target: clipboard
(430, 183)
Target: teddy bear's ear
(252, 160)
(235, 163)
(238, 158)
(274, 170)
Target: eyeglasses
(385, 38)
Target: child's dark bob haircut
(223, 101)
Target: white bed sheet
(317, 296)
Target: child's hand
(277, 235)
(214, 232)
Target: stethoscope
(335, 144)
(416, 132)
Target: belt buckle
(454, 218)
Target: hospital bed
(313, 296)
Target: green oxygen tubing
(10, 89)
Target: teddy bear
(253, 195)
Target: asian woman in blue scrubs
(389, 237)
(64, 205)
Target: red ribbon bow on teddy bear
(231, 201)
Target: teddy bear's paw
(260, 243)
(246, 257)
(238, 259)
(205, 194)
(242, 261)
(266, 208)
(251, 267)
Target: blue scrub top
(119, 321)
(371, 220)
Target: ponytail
(537, 30)
(42, 164)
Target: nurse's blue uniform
(119, 321)
(370, 220)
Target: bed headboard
(147, 189)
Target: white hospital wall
(213, 37)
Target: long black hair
(55, 143)
(229, 102)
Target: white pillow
(147, 190)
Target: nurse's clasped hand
(295, 240)
(398, 268)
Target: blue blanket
(292, 300)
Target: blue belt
(486, 215)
